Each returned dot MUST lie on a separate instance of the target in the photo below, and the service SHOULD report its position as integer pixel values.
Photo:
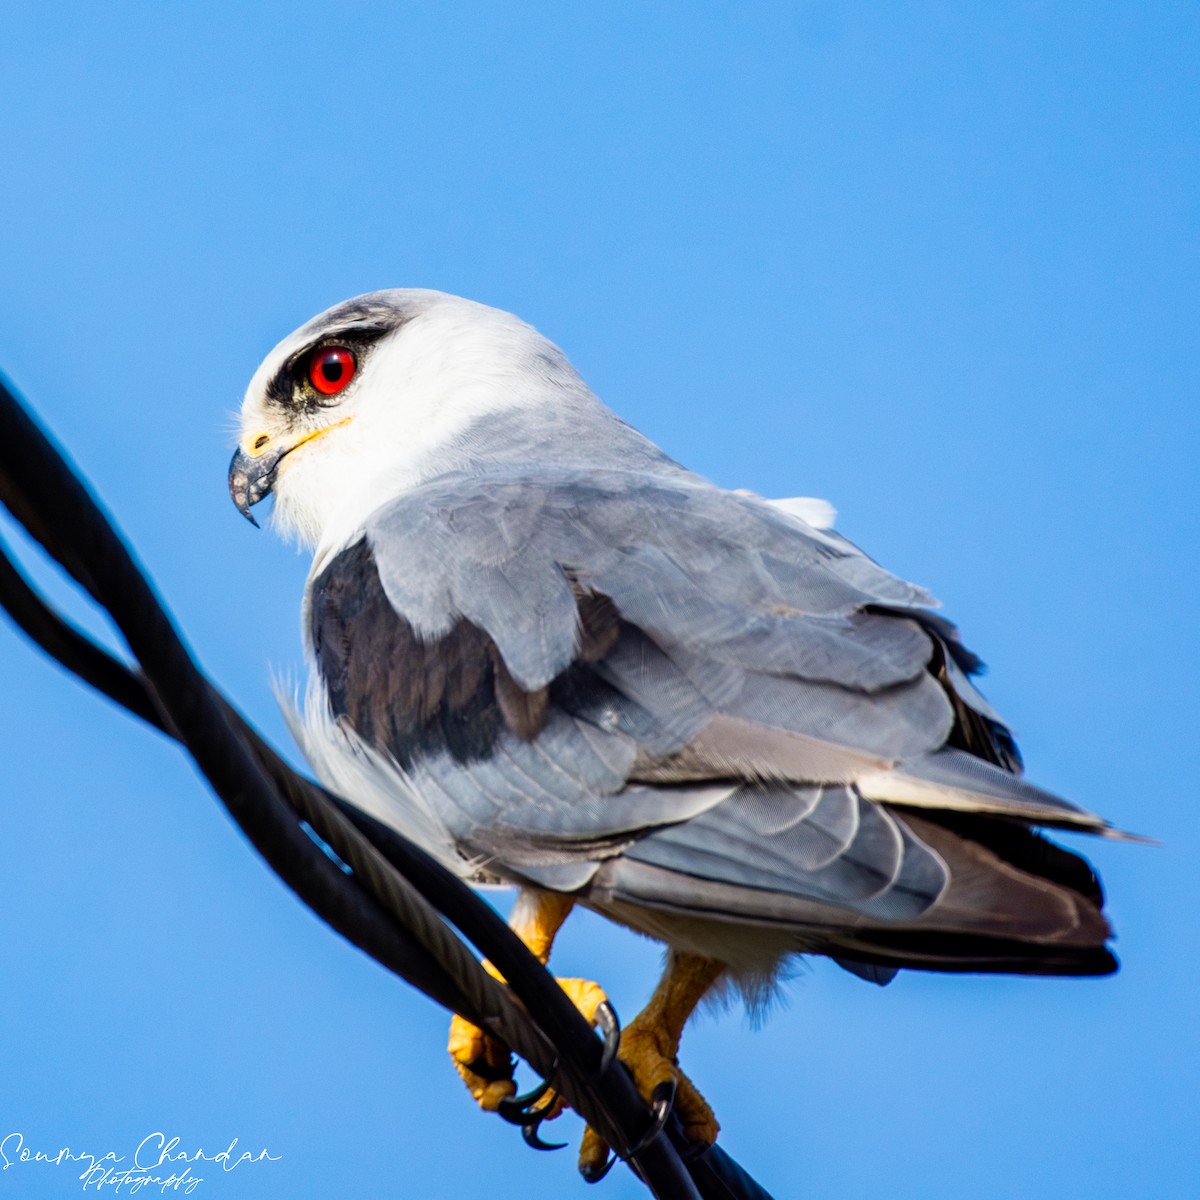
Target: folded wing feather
(681, 699)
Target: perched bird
(556, 658)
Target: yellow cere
(260, 443)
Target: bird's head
(373, 396)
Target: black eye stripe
(290, 388)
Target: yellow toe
(585, 995)
(593, 1153)
(642, 1052)
(484, 1064)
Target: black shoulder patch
(403, 695)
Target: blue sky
(935, 262)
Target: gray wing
(677, 684)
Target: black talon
(534, 1142)
(518, 1110)
(522, 1111)
(662, 1100)
(606, 1021)
(595, 1174)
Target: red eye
(330, 369)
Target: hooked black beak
(251, 479)
(252, 474)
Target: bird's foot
(486, 1065)
(646, 1050)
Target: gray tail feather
(999, 869)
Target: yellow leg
(650, 1046)
(537, 917)
(484, 1064)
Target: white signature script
(158, 1163)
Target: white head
(375, 395)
